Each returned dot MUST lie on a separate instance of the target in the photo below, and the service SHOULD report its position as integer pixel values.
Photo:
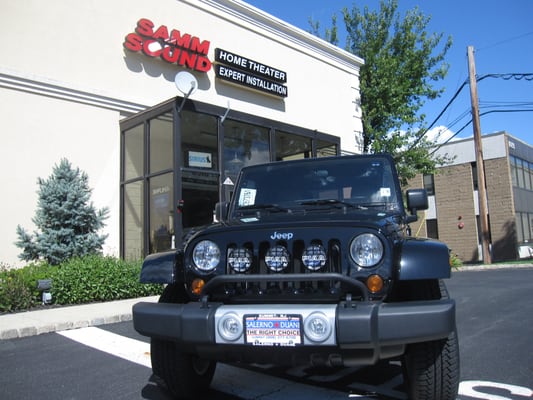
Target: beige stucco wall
(66, 81)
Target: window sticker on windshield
(247, 197)
(384, 192)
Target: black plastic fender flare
(162, 267)
(421, 258)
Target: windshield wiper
(269, 207)
(337, 203)
(331, 202)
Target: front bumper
(354, 325)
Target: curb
(491, 267)
(31, 323)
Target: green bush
(97, 278)
(75, 281)
(18, 287)
(455, 261)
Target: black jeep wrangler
(310, 263)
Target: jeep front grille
(287, 278)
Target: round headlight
(366, 250)
(277, 258)
(206, 256)
(240, 259)
(314, 257)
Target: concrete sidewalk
(29, 323)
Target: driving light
(317, 327)
(366, 250)
(206, 256)
(277, 258)
(240, 259)
(314, 257)
(230, 327)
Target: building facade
(160, 102)
(453, 216)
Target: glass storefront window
(161, 143)
(199, 140)
(153, 190)
(134, 152)
(244, 144)
(161, 212)
(199, 175)
(133, 221)
(325, 149)
(291, 147)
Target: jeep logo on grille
(284, 236)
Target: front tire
(431, 370)
(185, 375)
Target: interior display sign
(246, 72)
(200, 159)
(171, 46)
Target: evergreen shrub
(66, 220)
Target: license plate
(273, 329)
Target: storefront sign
(243, 71)
(174, 47)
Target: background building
(73, 78)
(453, 216)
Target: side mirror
(221, 211)
(417, 199)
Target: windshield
(321, 183)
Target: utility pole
(483, 215)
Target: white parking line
(120, 346)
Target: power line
(528, 76)
(419, 138)
(470, 121)
(505, 41)
(507, 76)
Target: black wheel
(185, 375)
(431, 369)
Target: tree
(67, 222)
(395, 81)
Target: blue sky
(501, 34)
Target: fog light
(317, 327)
(374, 283)
(277, 258)
(230, 327)
(240, 260)
(197, 285)
(314, 257)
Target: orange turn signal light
(197, 285)
(374, 283)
